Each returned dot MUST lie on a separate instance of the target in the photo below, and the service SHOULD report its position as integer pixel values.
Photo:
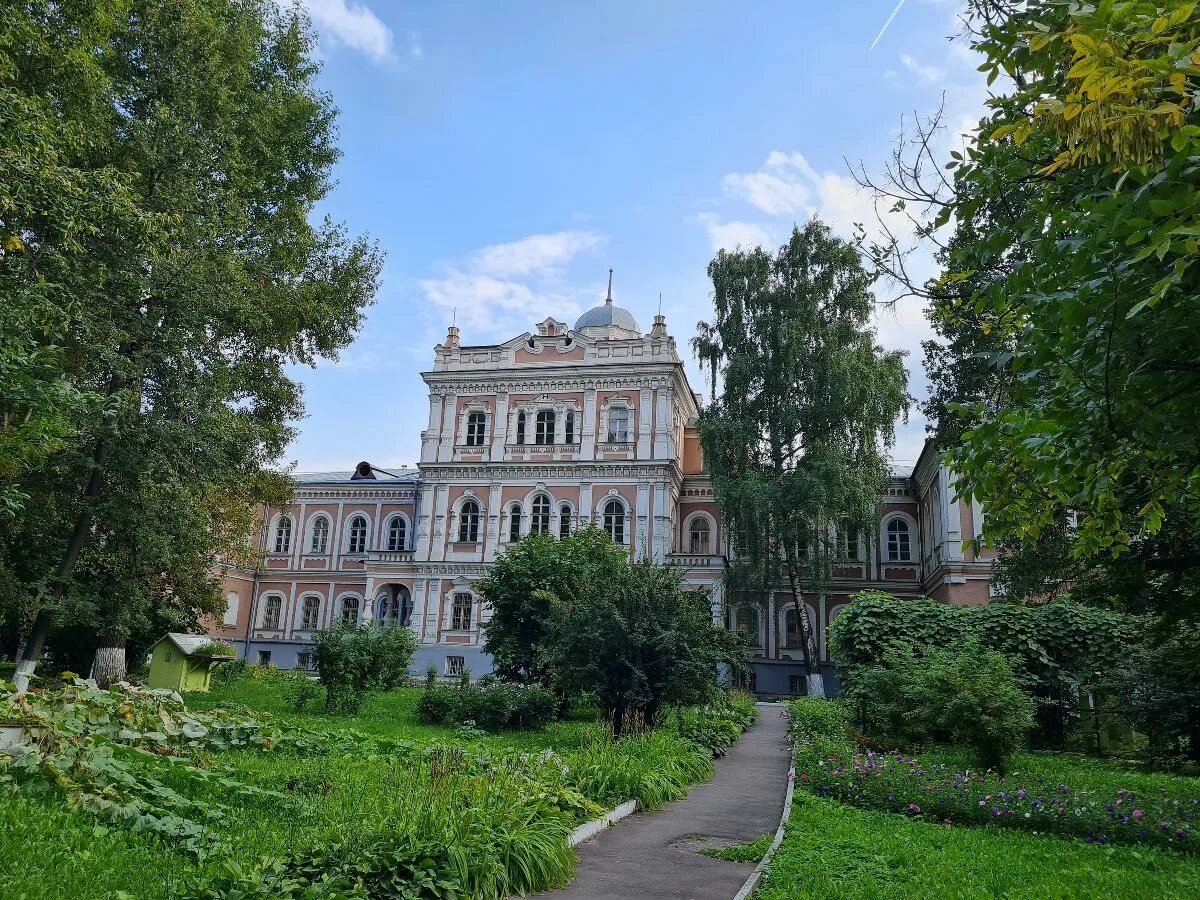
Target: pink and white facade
(550, 431)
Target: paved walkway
(648, 854)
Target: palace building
(550, 431)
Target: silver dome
(606, 315)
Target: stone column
(429, 437)
(587, 433)
(499, 427)
(449, 423)
(641, 520)
(645, 414)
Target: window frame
(346, 600)
(272, 619)
(614, 524)
(320, 529)
(359, 539)
(468, 521)
(283, 535)
(569, 427)
(544, 424)
(476, 435)
(625, 414)
(462, 610)
(541, 507)
(304, 607)
(702, 520)
(902, 538)
(397, 523)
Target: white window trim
(712, 533)
(299, 624)
(262, 615)
(387, 527)
(456, 514)
(273, 533)
(914, 538)
(604, 501)
(348, 528)
(617, 402)
(310, 530)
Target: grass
(505, 825)
(835, 851)
(391, 715)
(754, 851)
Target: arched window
(460, 619)
(271, 611)
(791, 629)
(358, 535)
(397, 533)
(849, 542)
(468, 523)
(476, 429)
(569, 428)
(283, 535)
(699, 536)
(747, 623)
(404, 605)
(310, 613)
(539, 519)
(387, 610)
(320, 536)
(520, 428)
(350, 611)
(564, 521)
(899, 541)
(543, 427)
(618, 425)
(614, 521)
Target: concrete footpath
(655, 854)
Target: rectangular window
(264, 657)
(569, 429)
(476, 428)
(455, 665)
(797, 685)
(461, 614)
(543, 429)
(305, 660)
(618, 425)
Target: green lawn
(350, 798)
(835, 851)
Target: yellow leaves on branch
(1132, 80)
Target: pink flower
(912, 807)
(1138, 814)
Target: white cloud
(501, 289)
(927, 74)
(353, 24)
(782, 185)
(731, 235)
(415, 49)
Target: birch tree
(802, 417)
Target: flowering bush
(717, 725)
(828, 765)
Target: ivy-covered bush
(829, 765)
(965, 695)
(1055, 649)
(495, 706)
(353, 661)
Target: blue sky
(505, 155)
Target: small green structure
(184, 662)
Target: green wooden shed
(184, 662)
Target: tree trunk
(36, 643)
(816, 684)
(109, 665)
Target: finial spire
(608, 299)
(660, 303)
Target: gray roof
(403, 474)
(607, 314)
(188, 643)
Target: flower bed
(829, 765)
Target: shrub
(718, 725)
(355, 660)
(966, 695)
(498, 706)
(297, 688)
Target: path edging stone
(589, 830)
(756, 875)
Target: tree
(639, 641)
(797, 439)
(354, 660)
(166, 274)
(1089, 279)
(521, 584)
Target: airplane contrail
(885, 26)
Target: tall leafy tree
(1089, 407)
(639, 641)
(803, 414)
(167, 271)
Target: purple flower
(1021, 795)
